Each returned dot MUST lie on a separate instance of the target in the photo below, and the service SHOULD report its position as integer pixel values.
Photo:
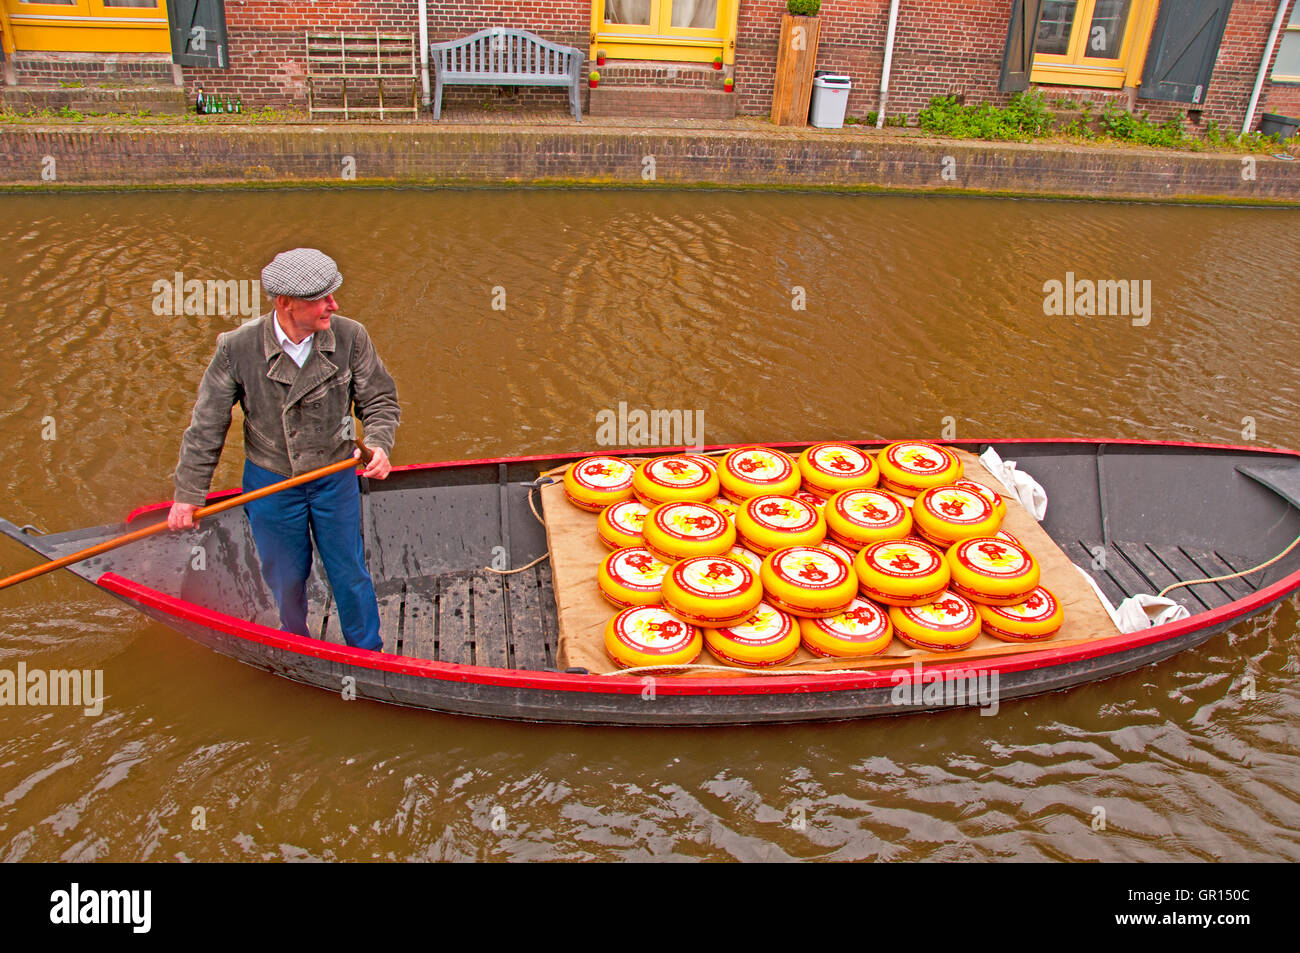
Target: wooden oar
(242, 498)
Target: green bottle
(229, 108)
(239, 105)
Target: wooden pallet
(361, 59)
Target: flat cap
(301, 273)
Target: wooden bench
(362, 59)
(501, 57)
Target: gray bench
(501, 57)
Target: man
(297, 372)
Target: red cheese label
(652, 629)
(782, 513)
(1039, 607)
(872, 509)
(603, 473)
(690, 521)
(628, 516)
(977, 487)
(808, 568)
(919, 458)
(901, 559)
(949, 613)
(635, 568)
(713, 577)
(764, 626)
(839, 460)
(759, 465)
(682, 473)
(703, 461)
(741, 554)
(992, 557)
(957, 506)
(862, 621)
(812, 499)
(835, 549)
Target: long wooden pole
(241, 499)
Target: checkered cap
(301, 273)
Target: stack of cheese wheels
(651, 635)
(767, 636)
(811, 498)
(631, 577)
(728, 507)
(947, 514)
(947, 624)
(901, 572)
(861, 630)
(753, 471)
(992, 571)
(711, 591)
(1038, 617)
(808, 582)
(597, 482)
(999, 504)
(619, 525)
(746, 556)
(827, 468)
(910, 467)
(857, 518)
(674, 531)
(766, 523)
(674, 478)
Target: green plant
(900, 120)
(1025, 117)
(1120, 124)
(803, 8)
(71, 84)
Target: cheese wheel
(674, 478)
(746, 556)
(992, 571)
(728, 507)
(767, 522)
(901, 572)
(857, 518)
(835, 549)
(946, 514)
(948, 624)
(861, 630)
(596, 482)
(701, 459)
(827, 468)
(808, 582)
(1038, 617)
(631, 577)
(651, 635)
(619, 524)
(711, 591)
(753, 471)
(767, 636)
(909, 467)
(674, 531)
(1003, 534)
(994, 497)
(810, 498)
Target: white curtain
(701, 14)
(628, 11)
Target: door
(89, 26)
(683, 30)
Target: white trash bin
(830, 99)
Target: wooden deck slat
(1213, 565)
(420, 622)
(455, 620)
(1256, 580)
(527, 627)
(550, 622)
(1157, 574)
(390, 615)
(1080, 554)
(491, 646)
(1185, 568)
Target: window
(1287, 65)
(1092, 42)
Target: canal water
(511, 320)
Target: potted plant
(717, 61)
(594, 79)
(796, 58)
(729, 85)
(600, 57)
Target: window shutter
(1184, 46)
(1022, 34)
(198, 30)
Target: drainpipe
(889, 58)
(424, 52)
(1263, 66)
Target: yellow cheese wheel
(619, 524)
(910, 466)
(1003, 534)
(857, 518)
(728, 507)
(596, 482)
(948, 624)
(748, 557)
(947, 514)
(678, 477)
(828, 468)
(767, 636)
(811, 498)
(768, 522)
(674, 531)
(1038, 617)
(845, 554)
(651, 635)
(994, 497)
(753, 471)
(711, 591)
(861, 630)
(992, 571)
(631, 577)
(901, 572)
(703, 460)
(808, 582)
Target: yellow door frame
(660, 40)
(1075, 69)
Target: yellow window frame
(1290, 31)
(660, 40)
(1074, 68)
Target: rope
(1235, 575)
(510, 572)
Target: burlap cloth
(576, 553)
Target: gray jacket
(295, 420)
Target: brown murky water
(914, 310)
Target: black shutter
(1022, 34)
(1184, 46)
(198, 29)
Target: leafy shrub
(803, 8)
(1024, 118)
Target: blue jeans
(284, 523)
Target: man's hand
(379, 466)
(181, 516)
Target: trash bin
(830, 98)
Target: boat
(460, 638)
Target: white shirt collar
(299, 352)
